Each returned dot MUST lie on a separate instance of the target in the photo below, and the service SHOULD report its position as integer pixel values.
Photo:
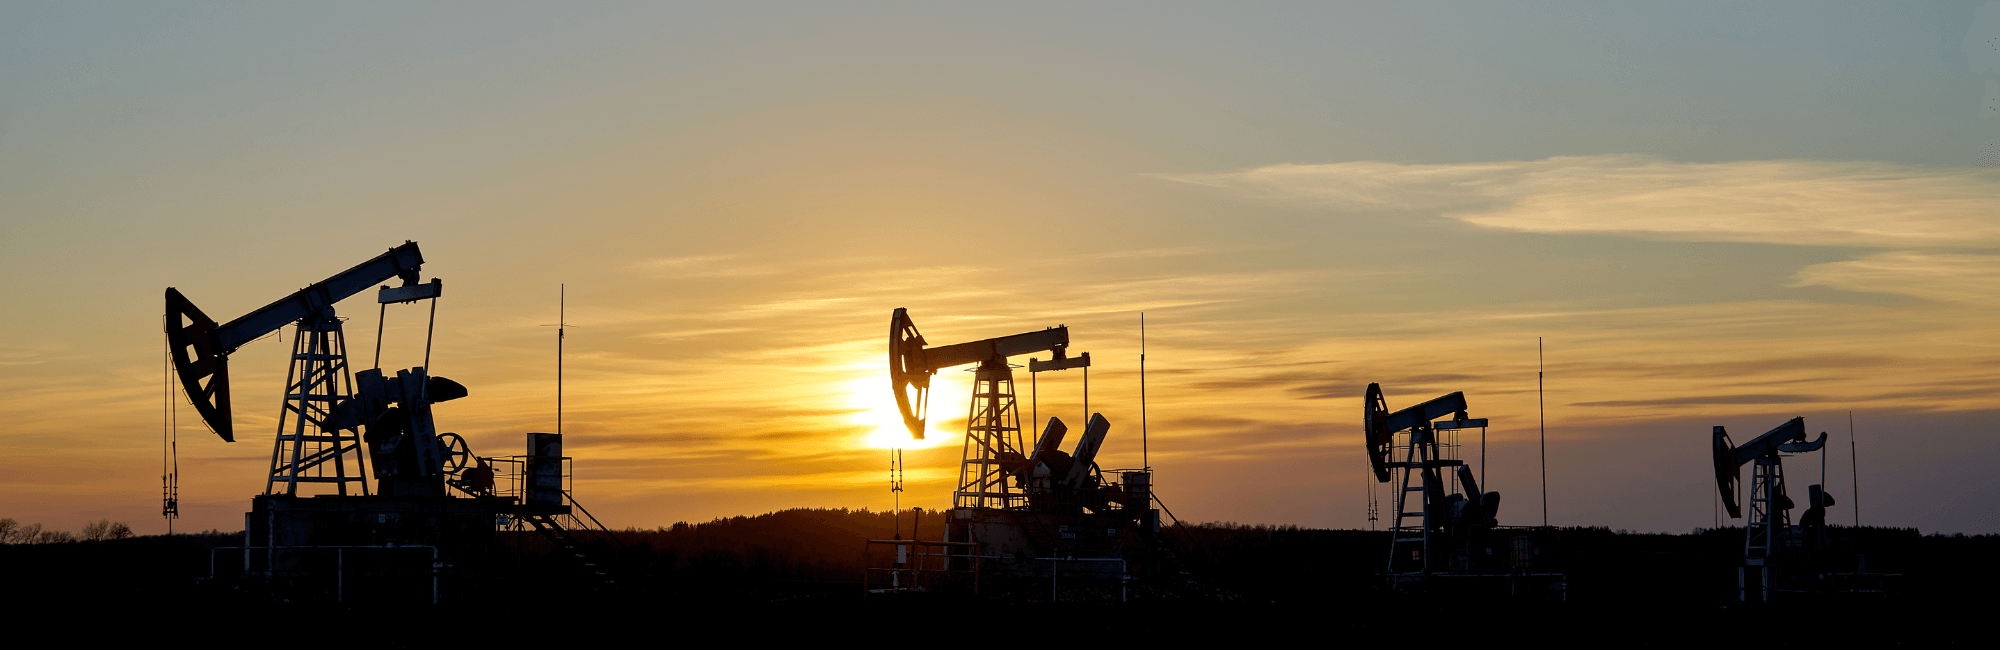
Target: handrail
(1178, 524)
(593, 519)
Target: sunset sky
(1710, 214)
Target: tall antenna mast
(562, 323)
(1145, 460)
(1542, 410)
(1854, 466)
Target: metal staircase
(568, 546)
(553, 512)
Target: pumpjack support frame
(1769, 531)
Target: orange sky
(1710, 218)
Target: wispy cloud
(1145, 253)
(1970, 279)
(706, 266)
(1808, 202)
(1706, 400)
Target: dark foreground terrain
(796, 575)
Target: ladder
(1410, 542)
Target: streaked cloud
(706, 266)
(1874, 204)
(1707, 400)
(18, 354)
(1941, 277)
(1146, 253)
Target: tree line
(12, 532)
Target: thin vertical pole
(170, 466)
(1145, 458)
(429, 331)
(896, 487)
(166, 426)
(382, 318)
(1368, 483)
(562, 322)
(1855, 467)
(1541, 408)
(1822, 471)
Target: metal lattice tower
(1769, 519)
(317, 380)
(992, 436)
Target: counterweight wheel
(457, 454)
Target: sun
(876, 411)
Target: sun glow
(884, 425)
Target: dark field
(797, 575)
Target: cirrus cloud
(1940, 277)
(1801, 202)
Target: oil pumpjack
(1445, 526)
(1028, 510)
(432, 504)
(1769, 534)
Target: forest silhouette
(808, 564)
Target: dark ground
(795, 575)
